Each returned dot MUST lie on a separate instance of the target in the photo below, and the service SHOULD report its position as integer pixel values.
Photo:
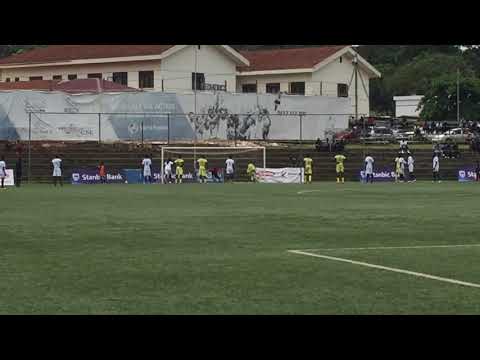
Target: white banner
(9, 180)
(218, 116)
(280, 176)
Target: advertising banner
(91, 176)
(158, 116)
(280, 176)
(383, 175)
(9, 179)
(467, 175)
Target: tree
(440, 100)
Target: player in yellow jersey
(202, 169)
(251, 169)
(179, 163)
(340, 159)
(308, 161)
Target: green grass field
(224, 249)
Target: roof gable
(284, 59)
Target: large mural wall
(159, 116)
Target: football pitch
(241, 249)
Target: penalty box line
(386, 268)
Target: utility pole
(458, 97)
(355, 64)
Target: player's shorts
(57, 172)
(230, 175)
(202, 172)
(168, 172)
(340, 168)
(147, 173)
(308, 171)
(369, 171)
(179, 171)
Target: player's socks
(343, 180)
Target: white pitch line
(397, 247)
(401, 271)
(307, 192)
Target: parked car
(457, 134)
(380, 133)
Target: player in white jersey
(411, 168)
(147, 169)
(369, 161)
(230, 169)
(436, 168)
(168, 171)
(57, 170)
(3, 172)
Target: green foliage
(440, 101)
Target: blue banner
(91, 176)
(466, 175)
(383, 175)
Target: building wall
(328, 77)
(82, 71)
(284, 81)
(177, 69)
(407, 105)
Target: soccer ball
(126, 181)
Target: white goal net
(216, 157)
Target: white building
(407, 106)
(324, 71)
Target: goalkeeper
(251, 170)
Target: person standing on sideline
(369, 161)
(18, 171)
(230, 169)
(147, 169)
(411, 168)
(436, 168)
(3, 172)
(57, 171)
(102, 172)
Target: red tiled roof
(284, 59)
(73, 86)
(55, 53)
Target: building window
(273, 88)
(297, 88)
(249, 88)
(120, 78)
(57, 77)
(72, 77)
(145, 80)
(198, 81)
(342, 90)
(17, 79)
(33, 78)
(7, 80)
(95, 76)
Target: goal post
(216, 157)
